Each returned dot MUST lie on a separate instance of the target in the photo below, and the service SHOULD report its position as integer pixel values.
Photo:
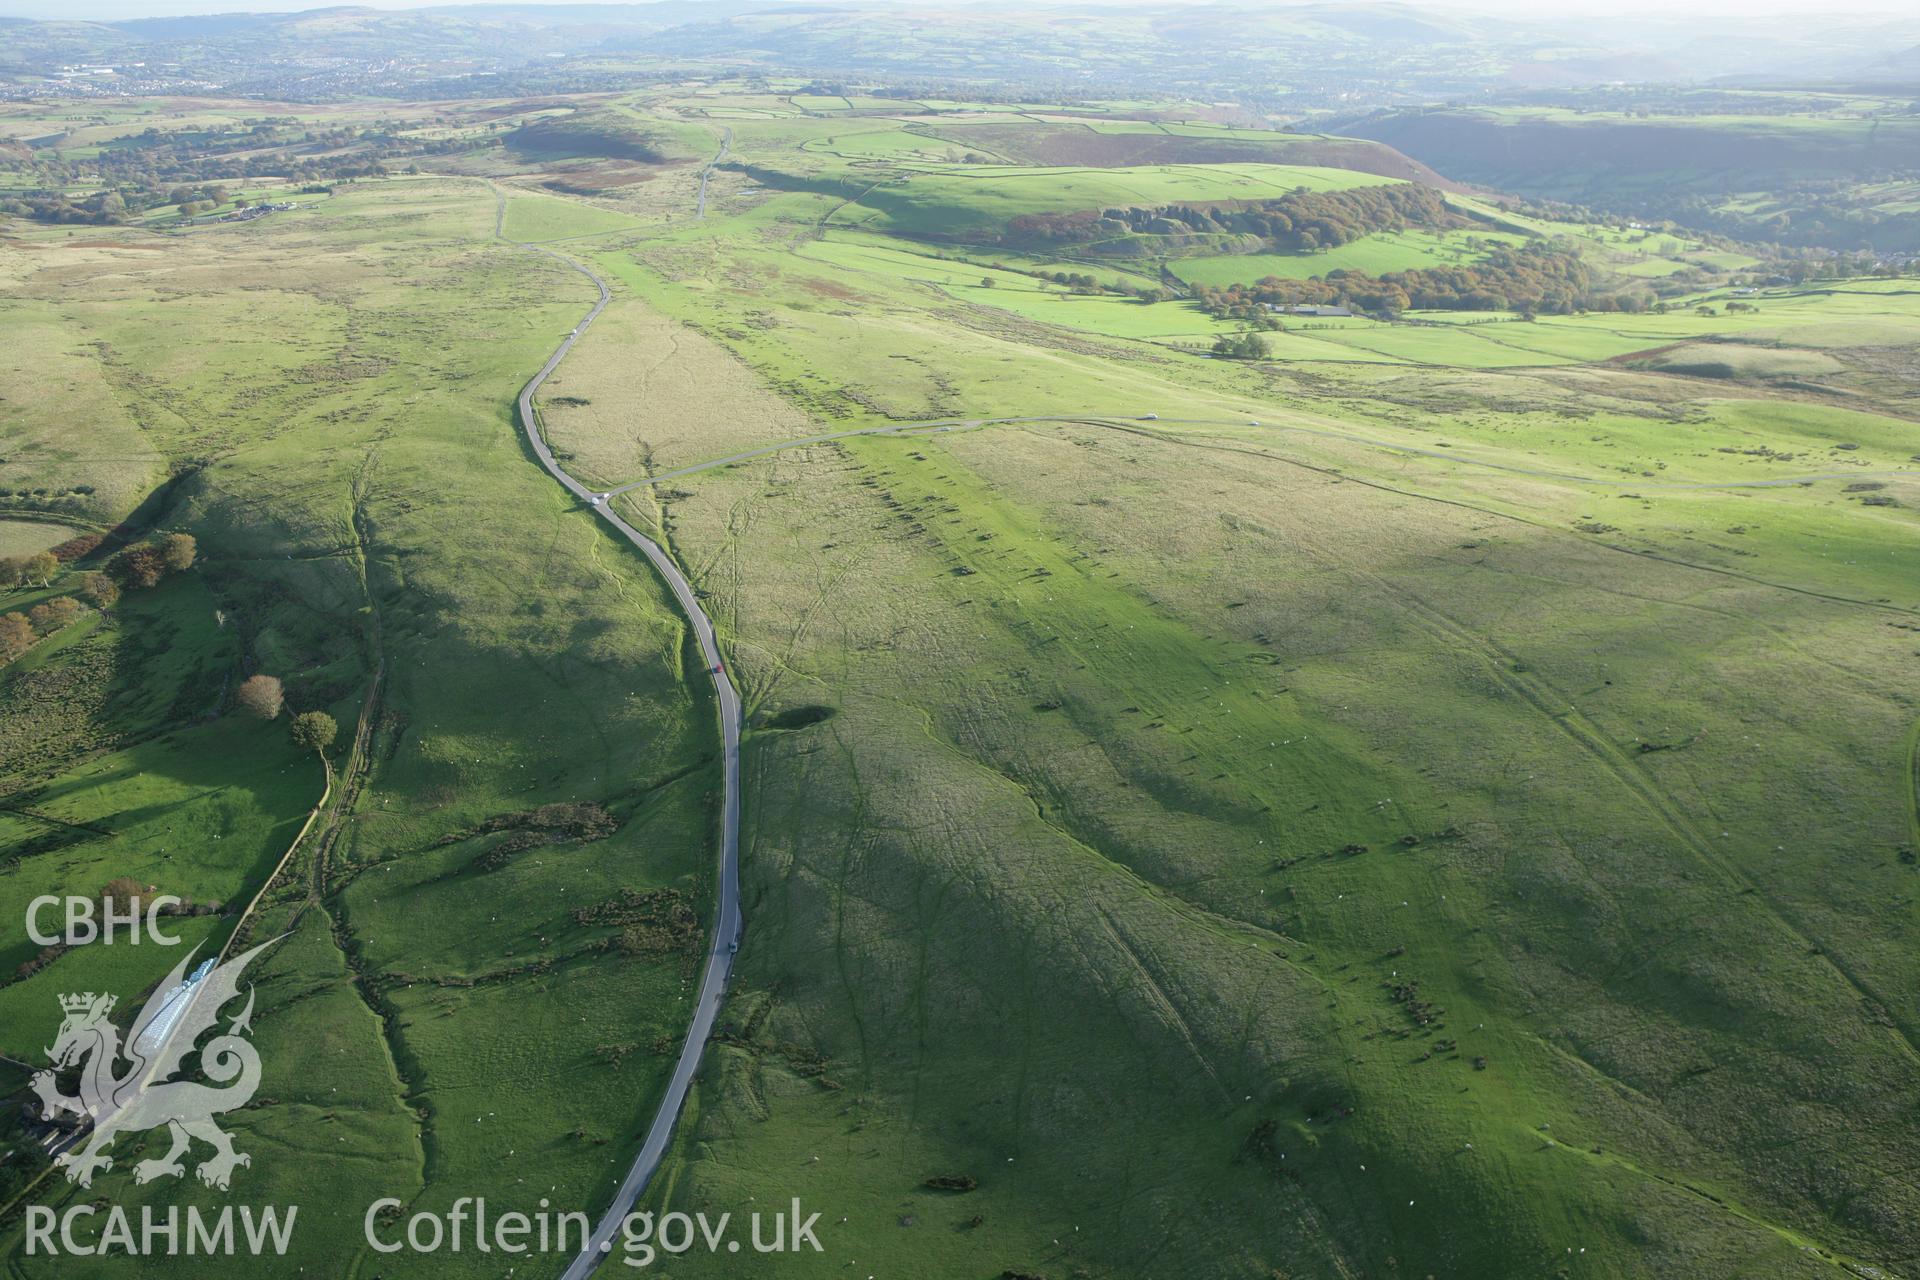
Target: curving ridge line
(726, 930)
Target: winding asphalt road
(726, 929)
(726, 143)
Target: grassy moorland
(1450, 791)
(1435, 800)
(488, 928)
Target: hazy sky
(111, 9)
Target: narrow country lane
(725, 937)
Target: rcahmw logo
(126, 1088)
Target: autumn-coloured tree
(1535, 277)
(52, 615)
(78, 547)
(40, 568)
(16, 636)
(138, 567)
(260, 696)
(177, 551)
(124, 893)
(314, 730)
(101, 590)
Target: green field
(540, 218)
(956, 202)
(24, 537)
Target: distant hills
(1903, 67)
(1298, 56)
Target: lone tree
(177, 551)
(314, 730)
(260, 696)
(103, 591)
(124, 892)
(16, 636)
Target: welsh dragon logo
(141, 1096)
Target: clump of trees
(192, 168)
(19, 631)
(1532, 279)
(52, 615)
(650, 922)
(264, 697)
(1241, 346)
(138, 566)
(1301, 221)
(144, 565)
(102, 208)
(45, 957)
(35, 570)
(178, 551)
(1081, 282)
(81, 545)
